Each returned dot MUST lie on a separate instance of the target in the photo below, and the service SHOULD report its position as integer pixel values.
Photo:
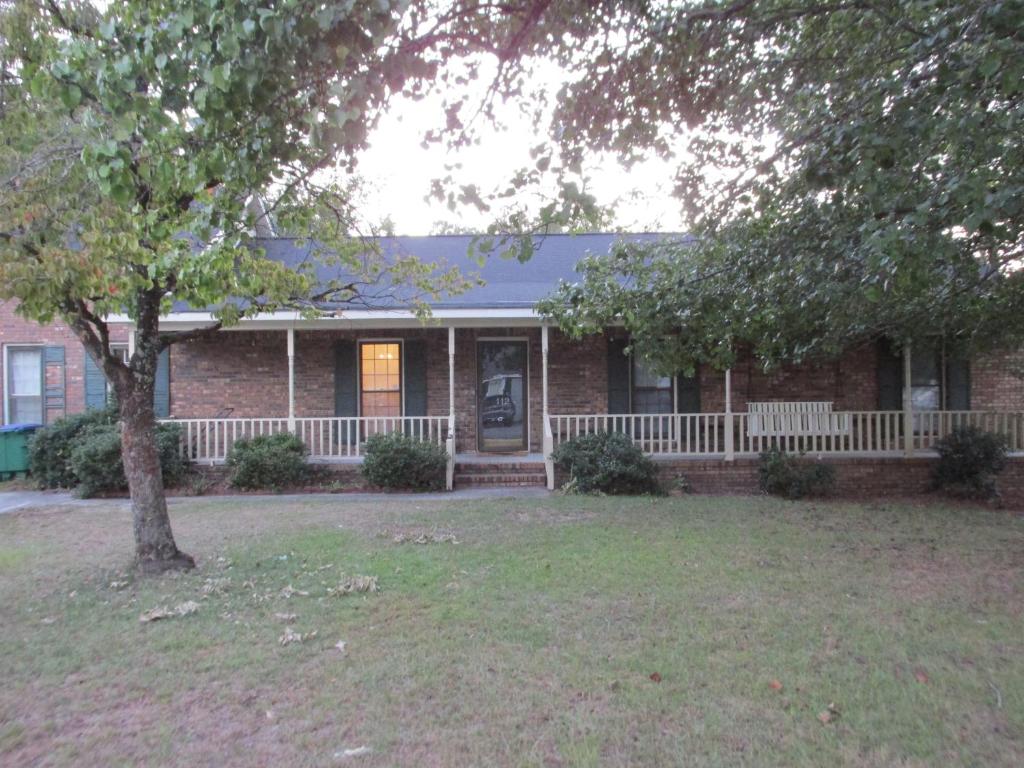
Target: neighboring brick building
(482, 361)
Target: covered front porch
(511, 389)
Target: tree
(852, 170)
(134, 136)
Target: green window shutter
(415, 377)
(688, 393)
(958, 384)
(345, 382)
(95, 384)
(162, 390)
(890, 377)
(53, 400)
(618, 376)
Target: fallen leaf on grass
(215, 586)
(163, 612)
(291, 636)
(354, 752)
(286, 616)
(921, 676)
(291, 591)
(341, 645)
(48, 620)
(352, 584)
(830, 715)
(656, 677)
(775, 685)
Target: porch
(513, 392)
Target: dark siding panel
(618, 376)
(162, 390)
(958, 382)
(415, 378)
(345, 382)
(688, 393)
(890, 378)
(95, 384)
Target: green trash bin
(14, 449)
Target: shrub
(969, 460)
(49, 449)
(784, 475)
(398, 461)
(96, 463)
(607, 462)
(268, 462)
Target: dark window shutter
(688, 393)
(890, 377)
(162, 388)
(95, 384)
(618, 376)
(958, 384)
(345, 371)
(415, 378)
(53, 358)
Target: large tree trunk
(155, 550)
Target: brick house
(488, 380)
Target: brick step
(532, 467)
(500, 482)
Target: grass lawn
(561, 631)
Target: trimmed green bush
(49, 449)
(969, 460)
(607, 462)
(398, 461)
(784, 475)
(98, 467)
(270, 462)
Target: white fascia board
(466, 318)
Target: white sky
(398, 170)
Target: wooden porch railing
(208, 441)
(842, 433)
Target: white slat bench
(783, 419)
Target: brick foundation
(856, 478)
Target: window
(380, 379)
(925, 382)
(651, 393)
(118, 350)
(24, 385)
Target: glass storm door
(501, 396)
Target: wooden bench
(783, 419)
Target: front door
(502, 400)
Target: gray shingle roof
(508, 283)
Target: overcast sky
(398, 171)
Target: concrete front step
(511, 480)
(506, 468)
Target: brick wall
(996, 381)
(16, 330)
(850, 382)
(856, 478)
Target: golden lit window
(381, 379)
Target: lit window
(381, 379)
(24, 385)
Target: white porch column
(131, 343)
(548, 444)
(450, 442)
(291, 379)
(730, 449)
(451, 372)
(544, 358)
(908, 405)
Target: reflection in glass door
(501, 396)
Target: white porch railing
(841, 433)
(208, 441)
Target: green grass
(530, 642)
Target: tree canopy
(852, 170)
